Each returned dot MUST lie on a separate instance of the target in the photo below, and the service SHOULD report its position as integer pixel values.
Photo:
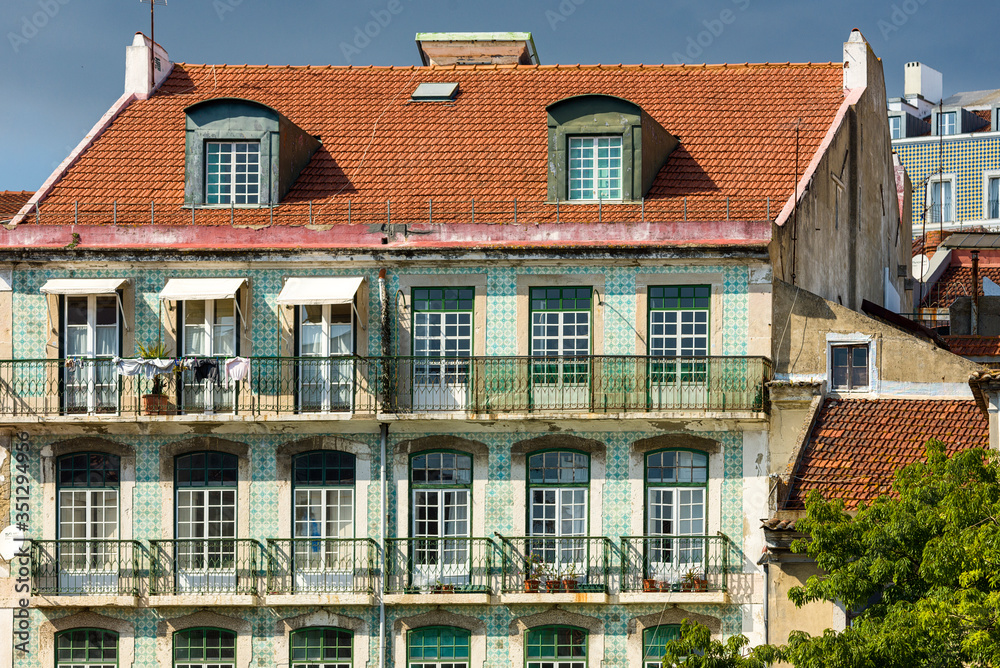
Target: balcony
(438, 570)
(300, 388)
(206, 571)
(321, 571)
(674, 569)
(551, 570)
(72, 572)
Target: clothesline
(228, 372)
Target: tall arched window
(441, 484)
(438, 647)
(558, 498)
(87, 648)
(321, 647)
(323, 500)
(676, 482)
(204, 648)
(206, 520)
(555, 647)
(654, 640)
(87, 485)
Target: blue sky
(62, 61)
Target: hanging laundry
(129, 367)
(205, 369)
(155, 367)
(237, 368)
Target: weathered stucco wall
(784, 617)
(847, 233)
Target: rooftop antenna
(152, 38)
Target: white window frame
(943, 178)
(595, 179)
(988, 175)
(950, 115)
(857, 339)
(252, 196)
(90, 371)
(328, 383)
(210, 329)
(897, 131)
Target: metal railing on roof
(410, 211)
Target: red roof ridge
(518, 66)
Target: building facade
(456, 365)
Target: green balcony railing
(415, 385)
(675, 563)
(204, 566)
(72, 567)
(551, 564)
(321, 565)
(438, 565)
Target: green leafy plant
(153, 352)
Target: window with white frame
(948, 123)
(595, 168)
(232, 173)
(895, 127)
(323, 500)
(326, 331)
(209, 329)
(560, 329)
(87, 648)
(940, 198)
(204, 648)
(558, 499)
(442, 332)
(676, 482)
(87, 489)
(993, 197)
(91, 338)
(321, 647)
(849, 367)
(555, 647)
(205, 487)
(441, 486)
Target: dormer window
(947, 123)
(232, 172)
(895, 127)
(603, 148)
(242, 153)
(595, 168)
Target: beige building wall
(783, 617)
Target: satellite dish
(11, 542)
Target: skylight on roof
(435, 92)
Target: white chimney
(138, 80)
(918, 79)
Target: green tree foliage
(920, 570)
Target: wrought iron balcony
(438, 565)
(666, 564)
(72, 567)
(554, 565)
(321, 565)
(288, 386)
(204, 566)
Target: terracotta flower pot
(531, 586)
(649, 584)
(553, 585)
(155, 404)
(570, 585)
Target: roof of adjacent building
(956, 281)
(857, 445)
(11, 202)
(973, 98)
(736, 125)
(974, 346)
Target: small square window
(232, 173)
(849, 367)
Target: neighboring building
(11, 202)
(950, 148)
(473, 358)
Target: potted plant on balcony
(694, 581)
(650, 585)
(569, 579)
(442, 588)
(154, 403)
(553, 583)
(533, 573)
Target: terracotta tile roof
(955, 282)
(986, 115)
(11, 202)
(775, 524)
(735, 124)
(974, 346)
(857, 445)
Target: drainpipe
(975, 293)
(383, 437)
(767, 595)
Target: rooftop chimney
(137, 67)
(918, 79)
(476, 48)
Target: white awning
(180, 289)
(83, 286)
(312, 291)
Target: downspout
(767, 595)
(383, 438)
(974, 324)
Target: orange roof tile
(974, 346)
(956, 281)
(11, 202)
(857, 445)
(736, 125)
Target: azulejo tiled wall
(967, 159)
(30, 315)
